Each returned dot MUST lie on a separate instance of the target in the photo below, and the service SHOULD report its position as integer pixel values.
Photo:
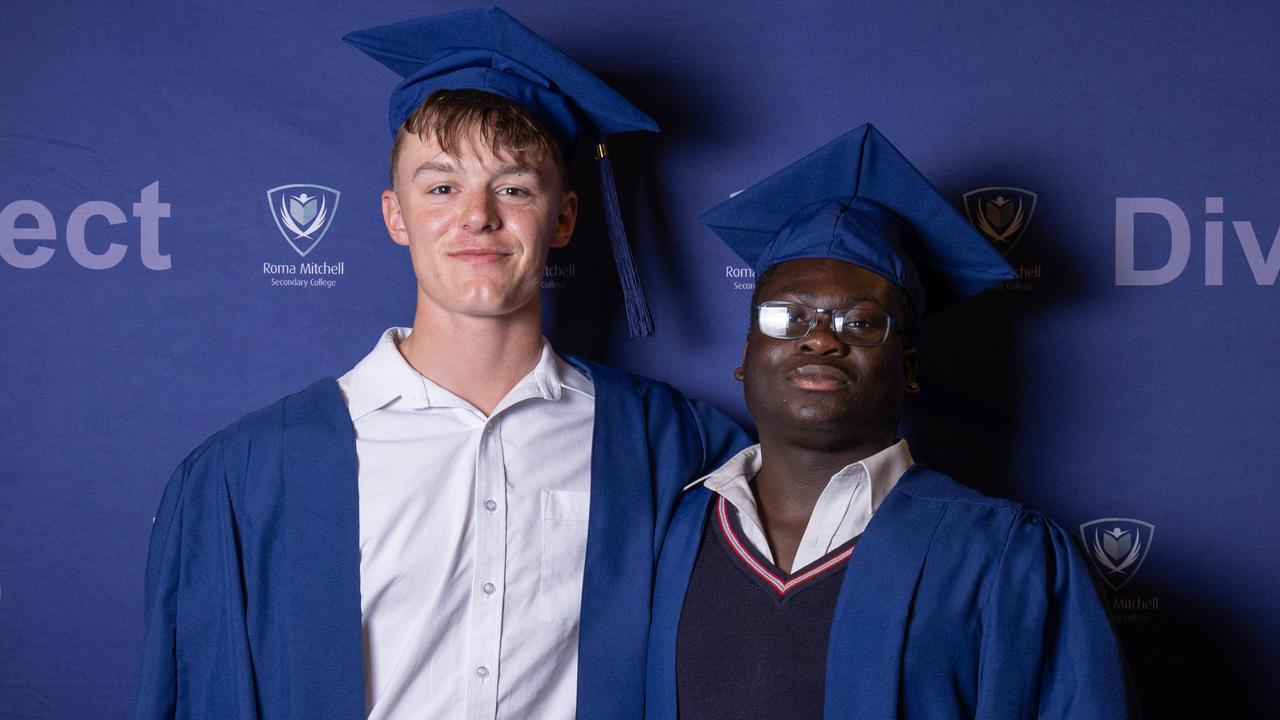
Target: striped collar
(766, 571)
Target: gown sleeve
(722, 438)
(195, 657)
(1048, 648)
(158, 679)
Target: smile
(818, 377)
(479, 255)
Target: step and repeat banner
(190, 228)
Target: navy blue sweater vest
(752, 641)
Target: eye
(865, 323)
(441, 190)
(784, 321)
(512, 191)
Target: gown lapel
(322, 577)
(679, 553)
(620, 556)
(868, 630)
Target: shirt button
(482, 672)
(490, 505)
(488, 430)
(488, 588)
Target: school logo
(1117, 547)
(303, 213)
(1000, 213)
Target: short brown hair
(450, 116)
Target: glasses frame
(835, 315)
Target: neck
(479, 359)
(794, 476)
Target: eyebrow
(517, 169)
(434, 166)
(448, 168)
(845, 301)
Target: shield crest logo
(1000, 213)
(1117, 547)
(303, 213)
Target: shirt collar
(543, 381)
(882, 470)
(733, 479)
(384, 375)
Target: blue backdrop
(1123, 154)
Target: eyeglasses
(863, 327)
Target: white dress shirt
(843, 509)
(473, 535)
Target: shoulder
(259, 435)
(659, 399)
(673, 423)
(999, 517)
(620, 380)
(923, 483)
(316, 403)
(624, 392)
(1006, 547)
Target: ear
(393, 218)
(566, 219)
(740, 372)
(910, 363)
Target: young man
(821, 573)
(455, 526)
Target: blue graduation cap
(487, 49)
(858, 199)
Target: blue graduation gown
(953, 605)
(252, 606)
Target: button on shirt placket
(490, 569)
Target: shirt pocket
(564, 554)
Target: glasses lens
(864, 327)
(783, 320)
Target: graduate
(458, 524)
(823, 573)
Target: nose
(479, 214)
(822, 340)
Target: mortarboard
(487, 49)
(857, 199)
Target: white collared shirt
(473, 534)
(843, 509)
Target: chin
(829, 426)
(821, 409)
(825, 423)
(484, 308)
(835, 436)
(481, 299)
